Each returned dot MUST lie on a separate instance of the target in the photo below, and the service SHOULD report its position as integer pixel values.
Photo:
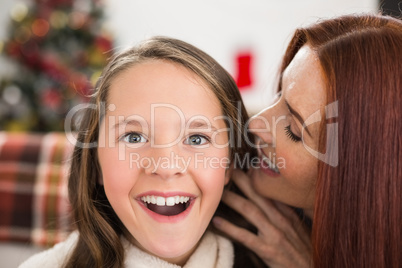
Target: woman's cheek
(284, 158)
(291, 164)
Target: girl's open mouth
(166, 206)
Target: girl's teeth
(162, 201)
(170, 201)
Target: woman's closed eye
(134, 137)
(291, 135)
(196, 139)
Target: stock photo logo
(330, 157)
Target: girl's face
(163, 154)
(288, 171)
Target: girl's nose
(165, 163)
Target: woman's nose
(261, 126)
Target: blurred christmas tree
(58, 48)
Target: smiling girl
(167, 125)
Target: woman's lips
(267, 166)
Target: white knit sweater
(214, 251)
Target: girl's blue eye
(133, 138)
(196, 140)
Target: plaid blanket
(34, 205)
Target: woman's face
(163, 154)
(288, 171)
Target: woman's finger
(283, 218)
(256, 216)
(267, 206)
(247, 238)
(275, 255)
(248, 210)
(298, 225)
(242, 181)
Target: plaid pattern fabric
(34, 205)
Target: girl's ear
(228, 173)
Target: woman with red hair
(330, 146)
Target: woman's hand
(282, 240)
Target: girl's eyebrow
(129, 122)
(200, 124)
(194, 124)
(298, 117)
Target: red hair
(357, 215)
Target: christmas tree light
(58, 48)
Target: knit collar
(213, 251)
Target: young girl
(151, 162)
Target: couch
(34, 208)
